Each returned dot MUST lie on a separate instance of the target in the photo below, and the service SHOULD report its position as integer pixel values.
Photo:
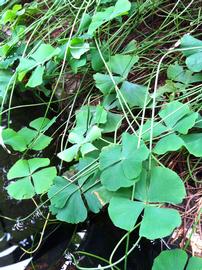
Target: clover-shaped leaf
(157, 221)
(121, 164)
(66, 201)
(82, 144)
(91, 121)
(29, 179)
(36, 61)
(88, 116)
(179, 119)
(113, 122)
(176, 259)
(69, 202)
(32, 138)
(177, 73)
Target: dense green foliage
(114, 151)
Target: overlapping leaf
(91, 121)
(177, 73)
(81, 143)
(70, 202)
(179, 119)
(36, 61)
(78, 47)
(121, 164)
(105, 84)
(101, 17)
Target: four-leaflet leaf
(30, 178)
(29, 138)
(70, 201)
(152, 191)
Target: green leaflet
(36, 60)
(96, 60)
(176, 259)
(105, 195)
(42, 123)
(44, 53)
(192, 142)
(78, 47)
(194, 263)
(29, 138)
(121, 164)
(134, 94)
(12, 138)
(169, 188)
(24, 66)
(156, 221)
(158, 129)
(188, 42)
(67, 202)
(122, 64)
(177, 73)
(77, 63)
(198, 123)
(124, 212)
(83, 144)
(113, 122)
(10, 15)
(5, 83)
(164, 221)
(131, 47)
(36, 77)
(120, 8)
(84, 23)
(193, 60)
(178, 117)
(29, 179)
(171, 142)
(170, 259)
(105, 84)
(91, 122)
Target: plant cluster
(115, 152)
